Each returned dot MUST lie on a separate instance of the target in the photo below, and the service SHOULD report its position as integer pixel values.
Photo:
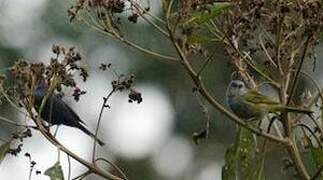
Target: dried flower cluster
(60, 72)
(244, 23)
(32, 164)
(124, 83)
(107, 12)
(26, 77)
(19, 136)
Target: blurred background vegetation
(150, 141)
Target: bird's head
(236, 88)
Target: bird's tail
(101, 143)
(297, 110)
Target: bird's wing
(257, 98)
(65, 107)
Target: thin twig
(114, 166)
(315, 123)
(205, 112)
(146, 12)
(142, 14)
(169, 9)
(12, 103)
(82, 175)
(263, 150)
(266, 52)
(8, 121)
(206, 62)
(317, 174)
(280, 19)
(69, 167)
(299, 68)
(104, 105)
(316, 84)
(244, 57)
(314, 99)
(260, 72)
(31, 168)
(312, 133)
(130, 43)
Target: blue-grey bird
(57, 112)
(250, 104)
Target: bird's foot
(47, 127)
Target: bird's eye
(240, 86)
(234, 85)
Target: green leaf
(243, 160)
(4, 150)
(202, 16)
(55, 172)
(316, 154)
(198, 39)
(229, 169)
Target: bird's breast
(240, 108)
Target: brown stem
(118, 169)
(298, 162)
(39, 122)
(92, 167)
